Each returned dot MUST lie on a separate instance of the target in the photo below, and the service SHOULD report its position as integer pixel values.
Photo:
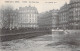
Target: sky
(41, 5)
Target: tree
(8, 16)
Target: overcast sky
(41, 5)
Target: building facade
(45, 19)
(48, 19)
(55, 19)
(69, 15)
(27, 17)
(18, 18)
(74, 14)
(63, 16)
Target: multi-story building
(48, 19)
(63, 16)
(74, 14)
(22, 17)
(45, 19)
(27, 17)
(55, 18)
(69, 15)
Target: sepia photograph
(40, 25)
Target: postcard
(40, 25)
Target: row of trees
(8, 16)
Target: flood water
(42, 43)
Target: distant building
(27, 17)
(48, 19)
(55, 19)
(45, 19)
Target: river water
(41, 43)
